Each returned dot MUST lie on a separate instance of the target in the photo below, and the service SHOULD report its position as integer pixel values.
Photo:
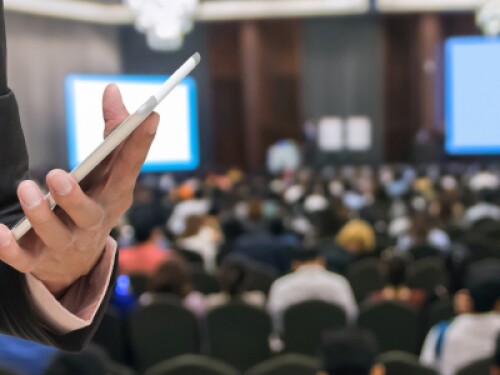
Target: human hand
(65, 244)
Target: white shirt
(480, 211)
(468, 338)
(310, 282)
(203, 243)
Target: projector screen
(175, 147)
(473, 96)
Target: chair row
(239, 334)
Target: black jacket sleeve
(17, 315)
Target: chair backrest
(7, 372)
(419, 252)
(239, 334)
(396, 326)
(305, 322)
(203, 282)
(139, 283)
(193, 258)
(162, 330)
(400, 363)
(191, 364)
(481, 367)
(110, 336)
(287, 364)
(427, 274)
(439, 311)
(365, 278)
(261, 280)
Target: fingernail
(153, 128)
(30, 195)
(61, 184)
(4, 237)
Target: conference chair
(139, 283)
(4, 371)
(439, 311)
(305, 322)
(161, 330)
(396, 326)
(427, 274)
(195, 259)
(203, 282)
(365, 278)
(424, 251)
(191, 364)
(481, 367)
(238, 334)
(287, 364)
(261, 279)
(110, 335)
(400, 363)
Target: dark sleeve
(17, 316)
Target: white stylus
(118, 135)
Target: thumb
(114, 111)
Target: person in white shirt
(309, 281)
(471, 336)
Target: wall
(41, 52)
(342, 73)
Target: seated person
(202, 235)
(394, 268)
(171, 279)
(349, 352)
(450, 346)
(310, 281)
(234, 280)
(145, 256)
(355, 239)
(424, 232)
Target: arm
(66, 247)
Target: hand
(65, 244)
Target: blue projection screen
(473, 96)
(176, 145)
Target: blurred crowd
(348, 236)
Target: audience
(423, 231)
(314, 222)
(234, 280)
(394, 270)
(470, 336)
(309, 281)
(172, 279)
(145, 255)
(202, 236)
(355, 239)
(350, 352)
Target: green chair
(161, 330)
(399, 363)
(305, 322)
(427, 274)
(191, 364)
(287, 364)
(481, 367)
(396, 326)
(110, 336)
(238, 334)
(365, 278)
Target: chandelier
(164, 22)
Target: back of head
(171, 277)
(483, 284)
(348, 352)
(395, 270)
(357, 235)
(233, 278)
(144, 218)
(91, 361)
